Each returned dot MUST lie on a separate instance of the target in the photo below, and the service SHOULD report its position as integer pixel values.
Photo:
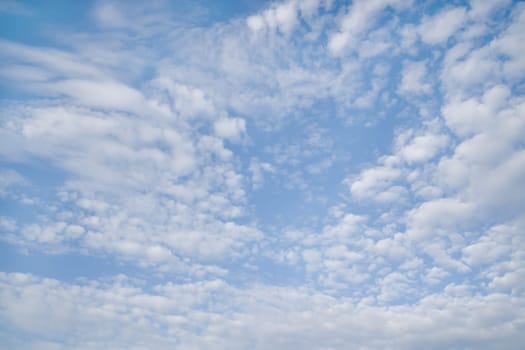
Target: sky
(296, 174)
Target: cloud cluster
(121, 314)
(317, 174)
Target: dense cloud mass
(308, 174)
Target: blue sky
(308, 174)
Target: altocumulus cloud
(294, 174)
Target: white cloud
(487, 163)
(480, 9)
(372, 183)
(281, 16)
(423, 147)
(432, 216)
(384, 183)
(471, 116)
(102, 94)
(55, 62)
(469, 67)
(230, 128)
(8, 179)
(186, 100)
(256, 23)
(285, 16)
(439, 27)
(258, 170)
(25, 73)
(484, 252)
(510, 281)
(7, 224)
(436, 275)
(360, 17)
(125, 155)
(121, 314)
(415, 79)
(108, 14)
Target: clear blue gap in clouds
(66, 267)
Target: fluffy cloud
(439, 27)
(121, 314)
(285, 16)
(413, 82)
(8, 179)
(312, 175)
(111, 158)
(376, 182)
(360, 17)
(230, 128)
